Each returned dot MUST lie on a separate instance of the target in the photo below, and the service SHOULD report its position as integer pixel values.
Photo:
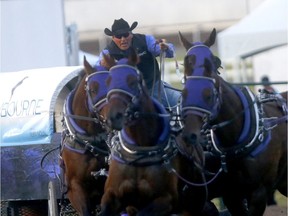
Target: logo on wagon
(21, 108)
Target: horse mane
(79, 78)
(88, 69)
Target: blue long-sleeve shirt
(152, 45)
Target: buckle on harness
(223, 163)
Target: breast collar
(126, 151)
(253, 138)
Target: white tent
(265, 28)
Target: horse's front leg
(110, 204)
(236, 205)
(257, 201)
(161, 206)
(79, 200)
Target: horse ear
(87, 66)
(189, 62)
(211, 40)
(184, 42)
(108, 61)
(133, 58)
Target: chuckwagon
(31, 114)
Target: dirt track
(275, 211)
(270, 211)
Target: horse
(84, 150)
(138, 181)
(245, 132)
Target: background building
(52, 32)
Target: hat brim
(120, 31)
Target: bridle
(73, 131)
(96, 104)
(118, 75)
(129, 95)
(124, 149)
(194, 104)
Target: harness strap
(125, 149)
(76, 135)
(252, 135)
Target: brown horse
(248, 133)
(84, 150)
(138, 181)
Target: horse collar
(126, 150)
(135, 155)
(253, 138)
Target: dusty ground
(276, 211)
(270, 211)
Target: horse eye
(132, 81)
(184, 94)
(208, 96)
(94, 88)
(108, 80)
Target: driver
(148, 48)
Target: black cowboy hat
(120, 26)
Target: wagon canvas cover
(27, 104)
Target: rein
(230, 121)
(85, 118)
(272, 122)
(171, 169)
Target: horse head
(125, 88)
(200, 96)
(91, 91)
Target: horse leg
(258, 201)
(110, 205)
(282, 183)
(77, 196)
(210, 209)
(79, 181)
(161, 206)
(282, 186)
(237, 206)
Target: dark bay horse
(84, 150)
(246, 132)
(138, 182)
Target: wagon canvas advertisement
(27, 105)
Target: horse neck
(146, 129)
(79, 108)
(230, 109)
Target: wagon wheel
(4, 209)
(52, 199)
(25, 208)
